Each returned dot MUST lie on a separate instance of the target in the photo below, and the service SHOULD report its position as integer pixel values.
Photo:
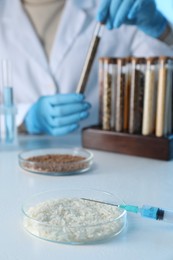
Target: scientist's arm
(142, 13)
(56, 115)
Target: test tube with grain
(168, 98)
(136, 95)
(161, 97)
(107, 95)
(101, 89)
(119, 96)
(148, 124)
(90, 58)
(113, 92)
(127, 94)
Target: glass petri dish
(56, 161)
(75, 216)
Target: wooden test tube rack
(149, 131)
(160, 148)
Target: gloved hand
(142, 13)
(56, 115)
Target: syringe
(145, 211)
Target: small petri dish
(76, 216)
(56, 161)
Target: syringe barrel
(157, 213)
(168, 216)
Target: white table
(136, 180)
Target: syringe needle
(145, 211)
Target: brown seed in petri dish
(56, 163)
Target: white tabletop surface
(137, 181)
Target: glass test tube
(107, 95)
(136, 95)
(101, 89)
(8, 108)
(90, 58)
(113, 92)
(168, 97)
(119, 96)
(161, 97)
(148, 123)
(127, 94)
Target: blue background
(166, 7)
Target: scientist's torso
(35, 75)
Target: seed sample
(136, 97)
(72, 220)
(107, 95)
(49, 162)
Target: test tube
(168, 98)
(161, 97)
(119, 96)
(9, 109)
(113, 91)
(107, 95)
(127, 94)
(90, 58)
(136, 95)
(101, 89)
(148, 124)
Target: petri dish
(56, 161)
(75, 216)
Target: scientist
(47, 42)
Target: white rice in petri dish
(74, 220)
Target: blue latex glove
(142, 13)
(56, 115)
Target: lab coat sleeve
(143, 43)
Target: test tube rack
(160, 148)
(140, 123)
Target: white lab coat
(34, 76)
